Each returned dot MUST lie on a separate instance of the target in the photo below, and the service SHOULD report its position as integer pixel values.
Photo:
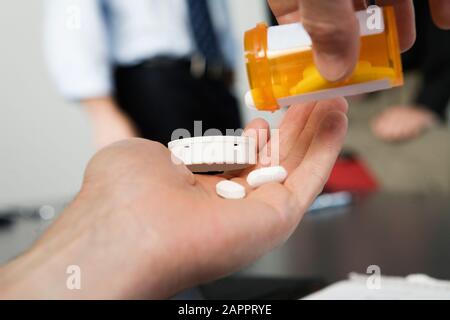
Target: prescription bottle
(281, 69)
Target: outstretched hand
(143, 226)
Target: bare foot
(400, 123)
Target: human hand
(334, 29)
(145, 227)
(109, 123)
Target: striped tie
(203, 31)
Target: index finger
(406, 24)
(440, 10)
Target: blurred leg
(431, 56)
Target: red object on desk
(351, 174)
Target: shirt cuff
(78, 84)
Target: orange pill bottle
(281, 70)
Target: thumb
(334, 31)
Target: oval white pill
(230, 190)
(262, 176)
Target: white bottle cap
(215, 153)
(249, 102)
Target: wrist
(99, 250)
(99, 107)
(41, 272)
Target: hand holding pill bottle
(281, 69)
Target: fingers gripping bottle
(281, 69)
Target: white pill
(262, 176)
(230, 190)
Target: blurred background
(46, 140)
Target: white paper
(357, 287)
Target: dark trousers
(163, 98)
(431, 56)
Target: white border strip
(350, 90)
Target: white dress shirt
(84, 39)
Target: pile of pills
(232, 190)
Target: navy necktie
(203, 31)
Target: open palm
(163, 228)
(310, 138)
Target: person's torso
(141, 29)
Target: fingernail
(333, 67)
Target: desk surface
(401, 234)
